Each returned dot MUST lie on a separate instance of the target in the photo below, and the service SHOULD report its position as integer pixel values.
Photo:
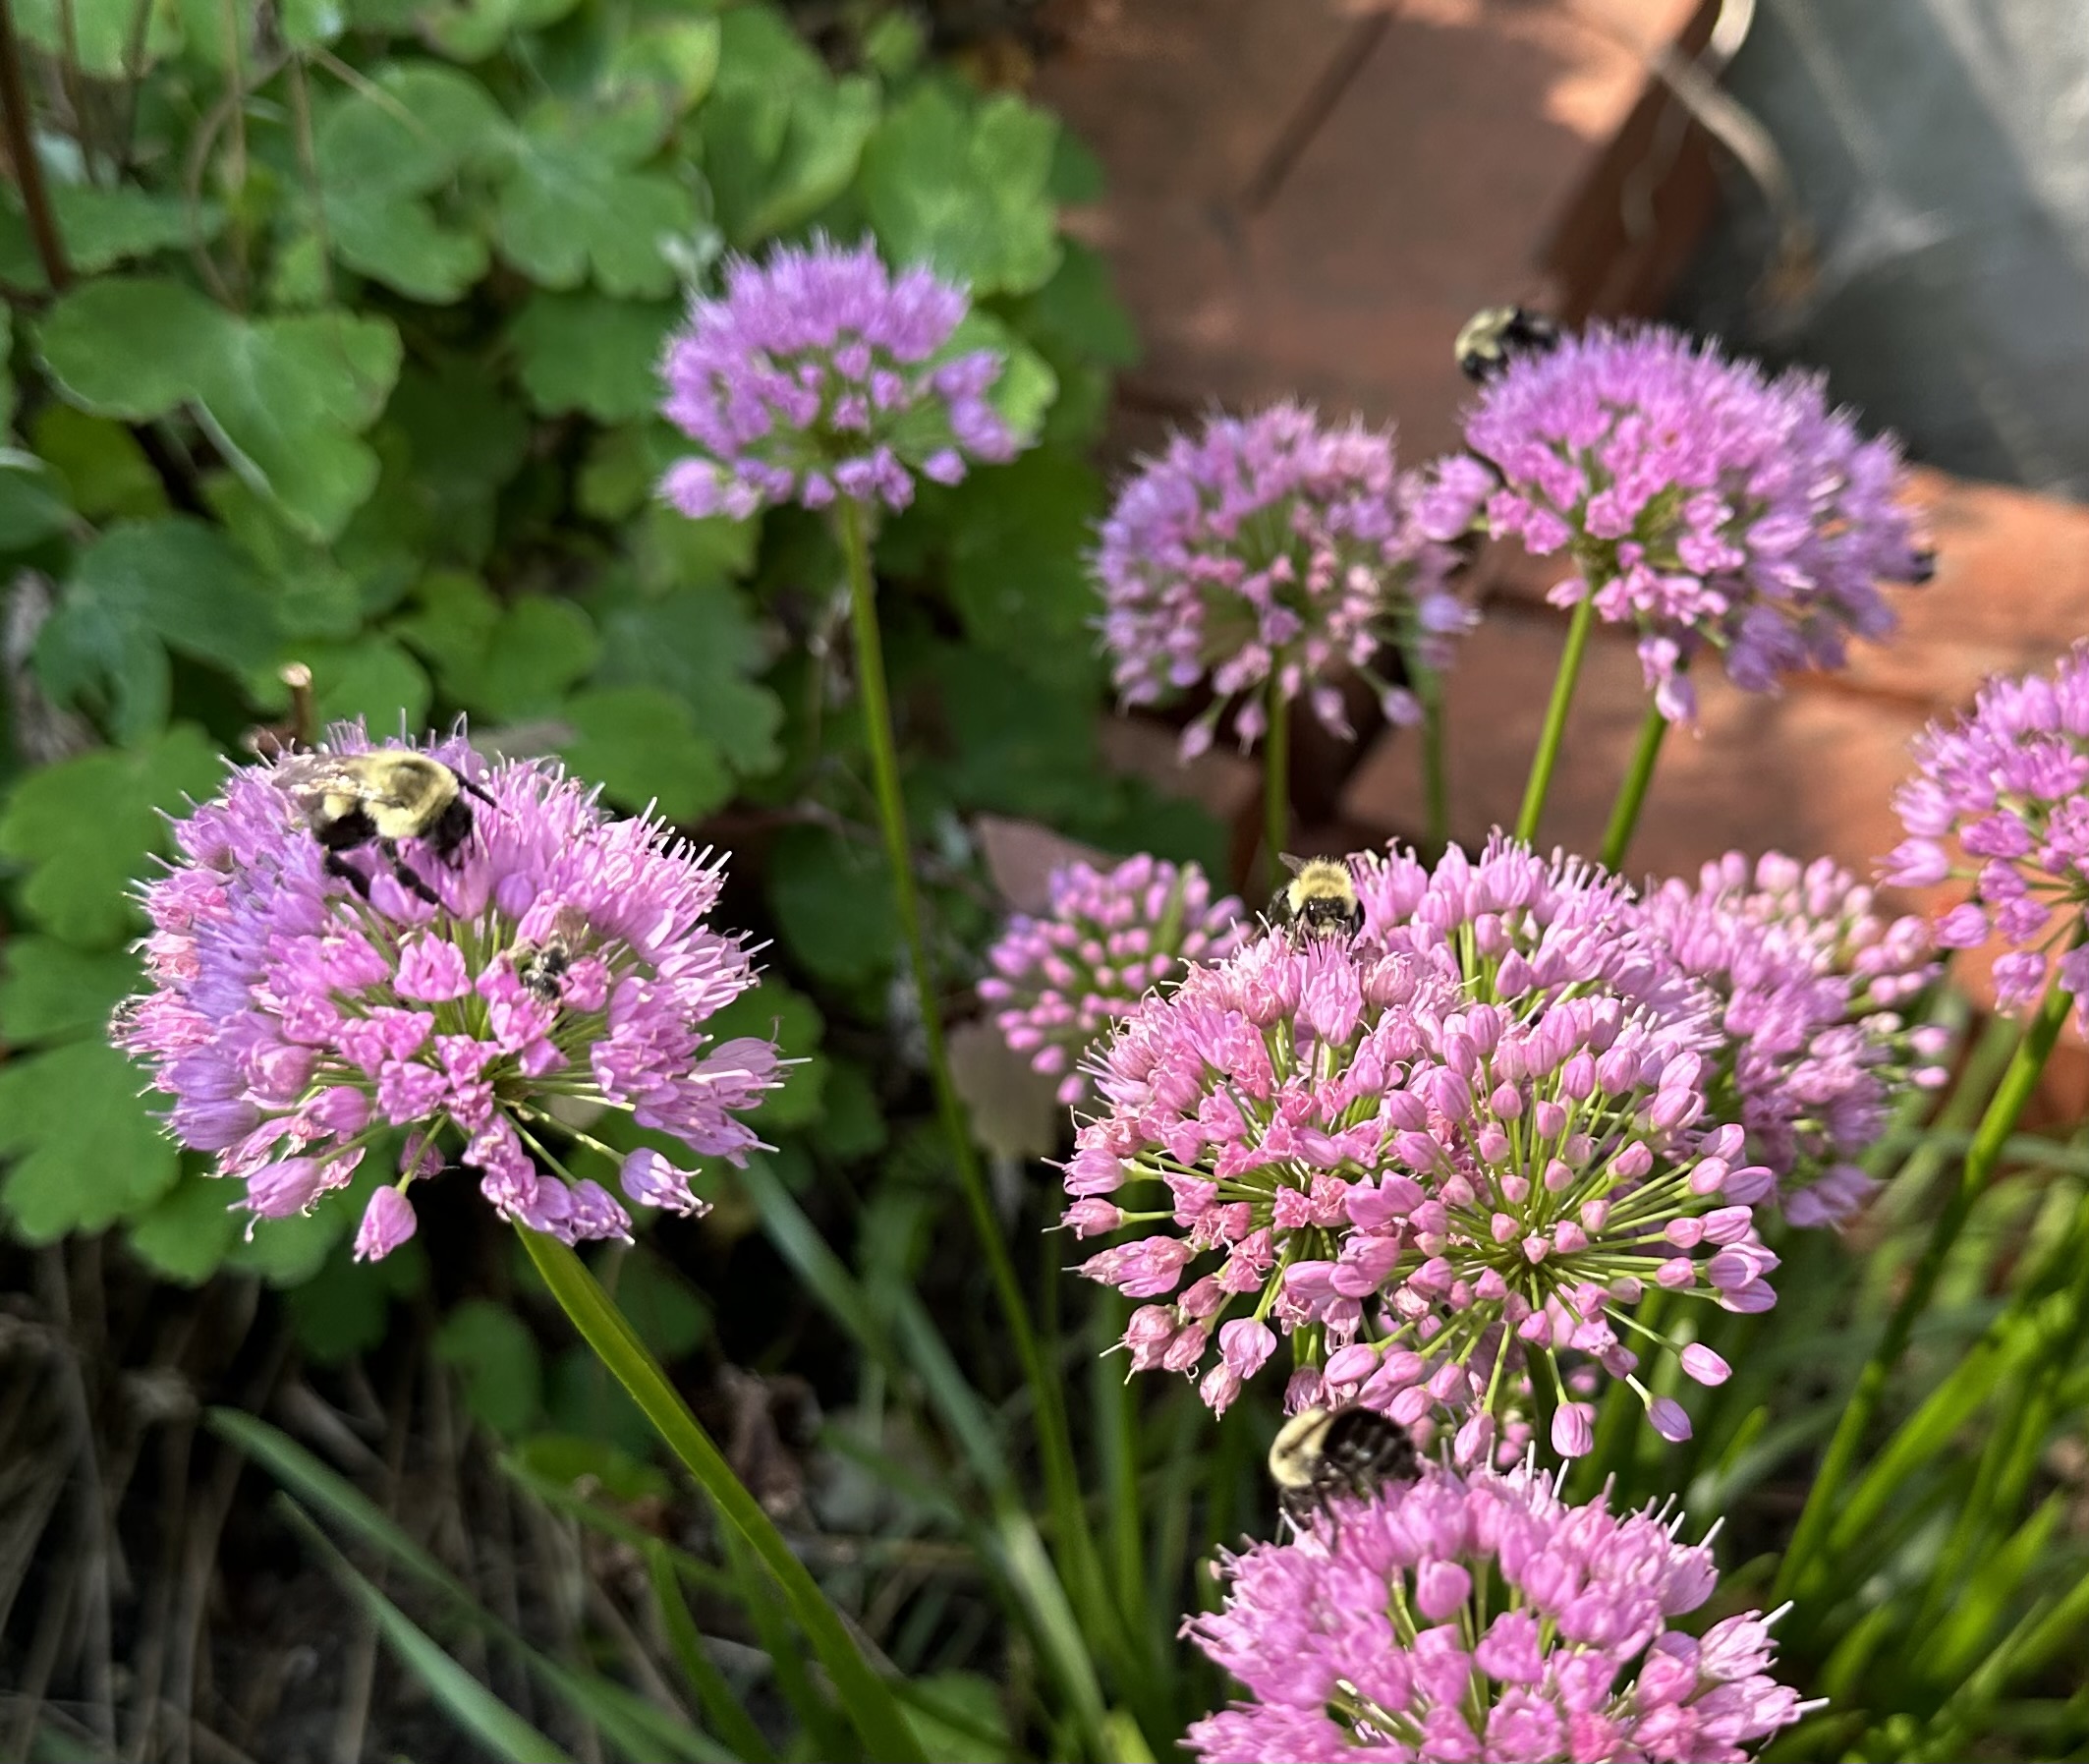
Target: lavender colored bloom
(1812, 984)
(1272, 547)
(1443, 1155)
(820, 373)
(1109, 936)
(1482, 1618)
(2009, 785)
(1699, 501)
(295, 1024)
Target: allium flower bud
(1812, 984)
(1108, 939)
(296, 1018)
(2008, 783)
(1272, 547)
(1481, 1617)
(820, 373)
(1700, 502)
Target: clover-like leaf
(85, 828)
(492, 1350)
(105, 471)
(50, 989)
(577, 201)
(585, 351)
(284, 399)
(700, 643)
(643, 745)
(82, 1149)
(833, 902)
(32, 504)
(101, 36)
(775, 1011)
(104, 226)
(185, 1234)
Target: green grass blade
(866, 1697)
(715, 1696)
(822, 1726)
(470, 1705)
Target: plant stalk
(1556, 715)
(1054, 1439)
(1277, 784)
(21, 150)
(1632, 793)
(1989, 1139)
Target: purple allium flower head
(1812, 982)
(2008, 783)
(297, 1024)
(1109, 936)
(1271, 545)
(1482, 1618)
(1699, 501)
(820, 373)
(1453, 1151)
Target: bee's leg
(334, 864)
(408, 879)
(464, 783)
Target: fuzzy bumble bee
(379, 798)
(1320, 900)
(1319, 1453)
(1494, 336)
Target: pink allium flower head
(1455, 1149)
(1812, 982)
(2009, 786)
(295, 1024)
(1271, 545)
(1109, 937)
(820, 373)
(1699, 501)
(1481, 1617)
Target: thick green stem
(1632, 793)
(1435, 784)
(1054, 1440)
(1276, 786)
(868, 1699)
(1995, 1126)
(1556, 715)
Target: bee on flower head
(379, 798)
(1494, 336)
(540, 967)
(1320, 900)
(1319, 1453)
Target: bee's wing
(1290, 862)
(307, 777)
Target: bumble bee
(1319, 1453)
(1494, 335)
(541, 968)
(1320, 900)
(378, 798)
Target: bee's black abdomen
(453, 827)
(346, 831)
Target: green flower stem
(1428, 688)
(871, 1705)
(1556, 715)
(1632, 793)
(1277, 784)
(1054, 1441)
(1989, 1139)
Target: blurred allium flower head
(1481, 1617)
(1109, 936)
(820, 373)
(1812, 984)
(1440, 1157)
(2009, 786)
(1272, 547)
(1700, 502)
(297, 1025)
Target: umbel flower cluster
(1457, 1150)
(2009, 786)
(1481, 1617)
(1699, 501)
(1272, 548)
(820, 373)
(297, 1024)
(1059, 981)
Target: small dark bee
(1321, 1454)
(542, 967)
(379, 798)
(1320, 900)
(1493, 336)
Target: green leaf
(958, 1718)
(833, 903)
(670, 63)
(540, 647)
(102, 227)
(964, 187)
(171, 581)
(852, 1124)
(642, 745)
(99, 32)
(284, 399)
(777, 1011)
(344, 1309)
(700, 643)
(107, 472)
(492, 1350)
(585, 351)
(84, 1151)
(288, 1252)
(1079, 310)
(467, 436)
(33, 503)
(569, 1459)
(84, 828)
(187, 1234)
(50, 989)
(472, 29)
(575, 204)
(664, 1310)
(380, 154)
(372, 680)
